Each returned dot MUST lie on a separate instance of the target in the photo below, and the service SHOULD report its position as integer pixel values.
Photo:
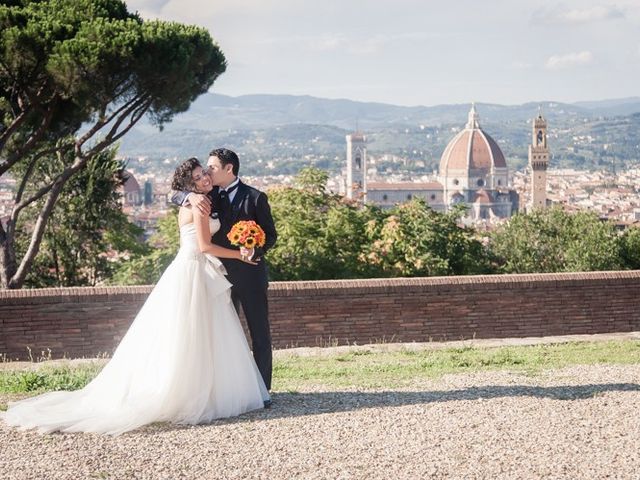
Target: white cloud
(596, 13)
(569, 60)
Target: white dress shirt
(232, 195)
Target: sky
(420, 52)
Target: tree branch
(136, 112)
(82, 159)
(101, 123)
(17, 122)
(141, 101)
(62, 176)
(36, 238)
(29, 170)
(123, 87)
(29, 144)
(53, 190)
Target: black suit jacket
(248, 204)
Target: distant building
(148, 193)
(473, 171)
(130, 190)
(538, 164)
(387, 195)
(356, 187)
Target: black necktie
(223, 199)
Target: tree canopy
(553, 240)
(325, 236)
(319, 234)
(414, 240)
(75, 76)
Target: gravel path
(579, 422)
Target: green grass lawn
(362, 368)
(47, 378)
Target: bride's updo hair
(182, 177)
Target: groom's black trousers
(249, 289)
(255, 306)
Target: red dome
(472, 149)
(130, 182)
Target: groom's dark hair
(227, 157)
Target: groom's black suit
(250, 282)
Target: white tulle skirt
(184, 359)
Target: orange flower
(247, 233)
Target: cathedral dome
(472, 149)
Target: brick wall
(88, 321)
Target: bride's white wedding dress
(184, 359)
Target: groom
(231, 201)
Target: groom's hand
(201, 202)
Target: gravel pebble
(577, 422)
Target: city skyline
(410, 52)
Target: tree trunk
(8, 265)
(38, 233)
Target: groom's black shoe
(267, 403)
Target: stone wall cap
(281, 288)
(75, 291)
(471, 280)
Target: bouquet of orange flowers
(247, 233)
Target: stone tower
(356, 166)
(538, 163)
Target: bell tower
(538, 163)
(357, 166)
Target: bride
(184, 359)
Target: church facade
(473, 171)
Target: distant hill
(220, 112)
(620, 106)
(288, 129)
